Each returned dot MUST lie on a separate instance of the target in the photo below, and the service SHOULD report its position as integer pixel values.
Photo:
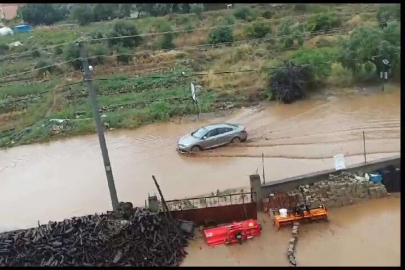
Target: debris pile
(292, 244)
(145, 239)
(339, 190)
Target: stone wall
(338, 190)
(288, 184)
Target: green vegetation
(47, 14)
(244, 13)
(258, 29)
(124, 28)
(139, 80)
(324, 21)
(220, 35)
(291, 33)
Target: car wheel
(236, 140)
(196, 149)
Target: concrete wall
(291, 183)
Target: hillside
(231, 54)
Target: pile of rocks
(339, 190)
(292, 244)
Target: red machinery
(232, 233)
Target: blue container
(22, 28)
(375, 177)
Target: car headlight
(182, 146)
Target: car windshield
(199, 133)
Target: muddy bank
(364, 234)
(65, 178)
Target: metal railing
(210, 201)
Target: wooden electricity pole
(364, 144)
(100, 128)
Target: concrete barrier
(263, 191)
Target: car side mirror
(205, 137)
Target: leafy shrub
(4, 48)
(257, 29)
(244, 13)
(82, 13)
(72, 53)
(229, 19)
(289, 83)
(124, 28)
(166, 40)
(124, 55)
(45, 68)
(103, 12)
(197, 8)
(388, 12)
(97, 53)
(35, 53)
(47, 14)
(268, 14)
(58, 50)
(220, 35)
(320, 60)
(371, 44)
(324, 21)
(290, 33)
(340, 76)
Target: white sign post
(193, 92)
(339, 162)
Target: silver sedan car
(212, 136)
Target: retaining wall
(263, 191)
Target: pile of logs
(143, 239)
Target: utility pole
(364, 145)
(100, 129)
(264, 177)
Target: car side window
(213, 133)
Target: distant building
(8, 11)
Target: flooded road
(363, 234)
(65, 178)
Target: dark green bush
(58, 50)
(258, 29)
(47, 14)
(98, 53)
(268, 14)
(124, 28)
(289, 83)
(4, 48)
(324, 21)
(197, 8)
(124, 55)
(35, 53)
(220, 35)
(388, 12)
(244, 13)
(72, 53)
(82, 13)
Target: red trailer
(237, 232)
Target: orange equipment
(232, 233)
(313, 214)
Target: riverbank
(212, 107)
(363, 234)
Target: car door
(211, 139)
(224, 136)
(227, 135)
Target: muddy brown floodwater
(65, 178)
(363, 234)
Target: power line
(176, 31)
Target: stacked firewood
(131, 237)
